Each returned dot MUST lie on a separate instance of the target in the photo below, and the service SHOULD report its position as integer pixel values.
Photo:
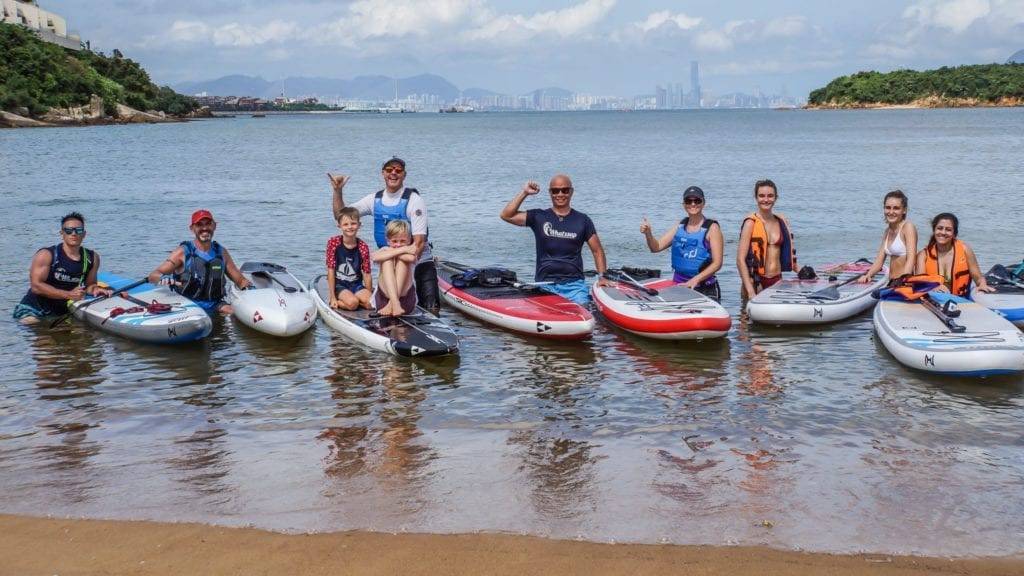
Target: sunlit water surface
(797, 438)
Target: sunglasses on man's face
(76, 230)
(394, 170)
(693, 201)
(565, 191)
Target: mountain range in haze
(375, 88)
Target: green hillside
(984, 83)
(38, 75)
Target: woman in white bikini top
(898, 240)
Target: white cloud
(785, 27)
(953, 15)
(232, 34)
(658, 19)
(186, 31)
(397, 18)
(712, 41)
(565, 23)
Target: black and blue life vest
(202, 279)
(64, 274)
(691, 251)
(383, 214)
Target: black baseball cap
(693, 192)
(394, 160)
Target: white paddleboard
(795, 301)
(989, 345)
(129, 318)
(278, 304)
(417, 335)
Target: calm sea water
(797, 438)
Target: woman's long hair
(935, 222)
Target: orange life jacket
(961, 272)
(911, 287)
(759, 245)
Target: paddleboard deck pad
(1007, 300)
(179, 320)
(278, 304)
(526, 310)
(415, 335)
(989, 345)
(675, 313)
(796, 301)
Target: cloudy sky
(608, 47)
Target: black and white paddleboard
(416, 335)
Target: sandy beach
(60, 546)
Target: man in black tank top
(60, 274)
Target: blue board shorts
(209, 306)
(23, 310)
(573, 290)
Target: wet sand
(61, 546)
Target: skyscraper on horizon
(695, 83)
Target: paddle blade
(827, 293)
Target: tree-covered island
(946, 87)
(42, 84)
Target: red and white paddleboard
(674, 313)
(522, 309)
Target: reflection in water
(755, 363)
(205, 463)
(378, 412)
(67, 368)
(560, 469)
(561, 473)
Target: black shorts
(713, 291)
(425, 275)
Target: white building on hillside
(47, 25)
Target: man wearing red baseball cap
(196, 269)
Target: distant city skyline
(591, 46)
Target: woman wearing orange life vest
(950, 258)
(899, 241)
(766, 243)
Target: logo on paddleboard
(819, 313)
(256, 317)
(542, 327)
(929, 360)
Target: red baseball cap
(199, 215)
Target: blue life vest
(383, 214)
(691, 251)
(201, 279)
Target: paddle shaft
(618, 275)
(114, 292)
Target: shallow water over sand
(797, 438)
